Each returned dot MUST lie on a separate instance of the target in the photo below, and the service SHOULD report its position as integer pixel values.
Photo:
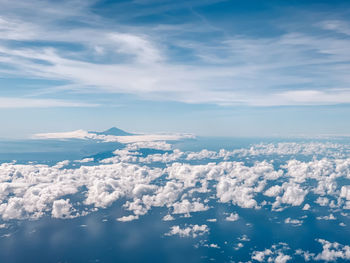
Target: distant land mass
(114, 131)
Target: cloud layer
(280, 179)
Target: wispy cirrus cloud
(292, 68)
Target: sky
(209, 67)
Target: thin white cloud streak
(236, 70)
(136, 45)
(16, 103)
(303, 97)
(336, 25)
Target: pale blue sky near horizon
(213, 67)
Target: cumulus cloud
(306, 207)
(332, 251)
(293, 194)
(345, 192)
(127, 218)
(186, 207)
(260, 255)
(294, 222)
(168, 218)
(241, 183)
(274, 254)
(62, 209)
(273, 191)
(189, 231)
(322, 201)
(158, 145)
(214, 246)
(305, 254)
(61, 164)
(232, 217)
(238, 246)
(33, 189)
(106, 183)
(331, 150)
(85, 160)
(329, 217)
(163, 158)
(244, 238)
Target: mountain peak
(114, 131)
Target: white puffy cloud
(203, 154)
(244, 238)
(214, 246)
(158, 145)
(238, 246)
(168, 218)
(322, 201)
(306, 255)
(332, 251)
(62, 164)
(85, 160)
(294, 222)
(62, 209)
(290, 149)
(239, 184)
(127, 218)
(32, 189)
(189, 231)
(186, 207)
(281, 258)
(306, 207)
(29, 191)
(293, 194)
(329, 217)
(280, 149)
(163, 158)
(274, 254)
(345, 192)
(232, 217)
(260, 255)
(273, 191)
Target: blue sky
(218, 68)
